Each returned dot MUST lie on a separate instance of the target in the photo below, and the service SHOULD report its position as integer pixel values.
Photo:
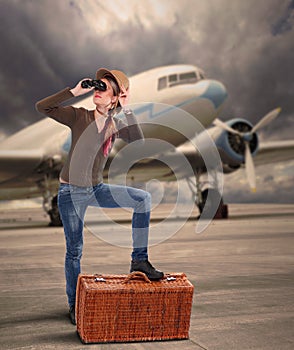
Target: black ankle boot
(148, 269)
(72, 315)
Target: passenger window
(162, 83)
(173, 78)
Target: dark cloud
(51, 44)
(285, 22)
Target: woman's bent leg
(114, 196)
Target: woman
(81, 181)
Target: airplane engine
(232, 146)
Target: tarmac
(242, 269)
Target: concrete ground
(242, 269)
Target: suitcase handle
(137, 275)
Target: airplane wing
(24, 169)
(275, 151)
(161, 167)
(268, 152)
(14, 163)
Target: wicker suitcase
(123, 308)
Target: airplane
(183, 115)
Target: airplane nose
(215, 92)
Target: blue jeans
(73, 202)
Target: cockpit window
(188, 76)
(177, 79)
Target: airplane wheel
(55, 219)
(207, 207)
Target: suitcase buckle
(100, 279)
(170, 278)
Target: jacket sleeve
(51, 107)
(130, 130)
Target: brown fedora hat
(120, 77)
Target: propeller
(249, 165)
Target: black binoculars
(97, 84)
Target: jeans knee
(144, 203)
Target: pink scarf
(106, 146)
(109, 136)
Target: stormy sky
(248, 45)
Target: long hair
(110, 130)
(116, 91)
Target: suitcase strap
(137, 275)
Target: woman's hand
(78, 90)
(124, 97)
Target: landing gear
(54, 213)
(210, 196)
(50, 202)
(209, 201)
(51, 208)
